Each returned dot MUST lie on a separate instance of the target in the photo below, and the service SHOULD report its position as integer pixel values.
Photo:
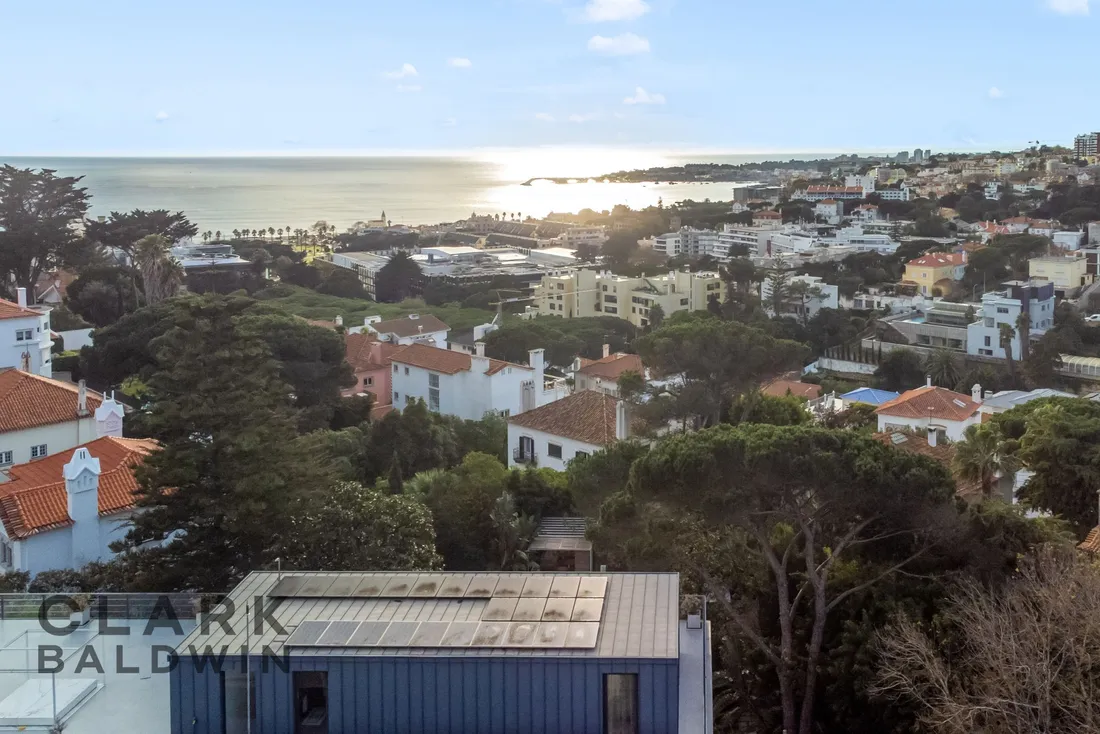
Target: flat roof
(639, 618)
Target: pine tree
(396, 485)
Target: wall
(569, 447)
(505, 695)
(75, 339)
(58, 437)
(11, 351)
(953, 429)
(467, 394)
(53, 549)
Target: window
(987, 341)
(610, 299)
(406, 370)
(1002, 309)
(433, 380)
(433, 399)
(396, 397)
(5, 458)
(368, 381)
(620, 703)
(37, 452)
(395, 369)
(559, 298)
(610, 309)
(580, 453)
(554, 450)
(7, 557)
(683, 301)
(24, 335)
(605, 289)
(409, 399)
(553, 307)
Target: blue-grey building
(462, 653)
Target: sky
(134, 77)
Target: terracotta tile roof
(943, 453)
(779, 388)
(613, 366)
(938, 260)
(9, 310)
(930, 402)
(587, 416)
(35, 499)
(444, 360)
(408, 326)
(1091, 544)
(28, 400)
(362, 354)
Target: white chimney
(108, 418)
(81, 399)
(82, 499)
(607, 350)
(536, 359)
(928, 380)
(21, 296)
(479, 349)
(933, 436)
(339, 321)
(622, 421)
(976, 393)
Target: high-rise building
(1087, 145)
(918, 156)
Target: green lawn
(312, 305)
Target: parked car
(1094, 318)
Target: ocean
(223, 194)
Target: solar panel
(429, 634)
(368, 634)
(427, 585)
(459, 634)
(582, 634)
(529, 610)
(454, 586)
(587, 610)
(369, 586)
(287, 586)
(558, 610)
(550, 634)
(337, 634)
(398, 586)
(489, 634)
(565, 586)
(520, 634)
(398, 634)
(509, 586)
(592, 586)
(536, 586)
(315, 586)
(343, 586)
(482, 586)
(307, 633)
(499, 610)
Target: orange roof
(587, 416)
(827, 201)
(35, 499)
(28, 400)
(444, 360)
(9, 310)
(361, 353)
(613, 366)
(938, 260)
(1016, 220)
(779, 388)
(941, 452)
(930, 402)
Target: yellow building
(585, 293)
(1066, 273)
(941, 270)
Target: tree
(619, 249)
(1014, 659)
(808, 506)
(787, 410)
(900, 370)
(512, 534)
(631, 385)
(357, 529)
(394, 482)
(657, 316)
(1007, 334)
(1023, 328)
(102, 295)
(123, 231)
(342, 283)
(943, 367)
(721, 358)
(779, 282)
(462, 503)
(161, 274)
(398, 279)
(803, 293)
(38, 216)
(981, 457)
(229, 464)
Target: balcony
(525, 456)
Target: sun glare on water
(520, 164)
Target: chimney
(622, 421)
(479, 349)
(976, 393)
(82, 399)
(108, 418)
(928, 380)
(607, 350)
(21, 296)
(82, 502)
(414, 316)
(933, 436)
(339, 320)
(536, 359)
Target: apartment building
(586, 293)
(25, 336)
(1036, 298)
(829, 210)
(821, 192)
(1086, 145)
(819, 295)
(1068, 274)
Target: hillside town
(734, 466)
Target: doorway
(311, 701)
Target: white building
(901, 193)
(412, 329)
(733, 238)
(941, 412)
(555, 434)
(469, 386)
(25, 336)
(866, 213)
(872, 301)
(830, 211)
(1069, 240)
(574, 237)
(863, 241)
(40, 417)
(983, 337)
(64, 511)
(603, 374)
(992, 190)
(669, 244)
(819, 295)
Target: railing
(106, 605)
(522, 456)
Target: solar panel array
(520, 611)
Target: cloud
(598, 11)
(641, 96)
(588, 117)
(409, 87)
(623, 44)
(995, 93)
(161, 116)
(406, 70)
(544, 117)
(459, 62)
(1069, 7)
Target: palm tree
(981, 457)
(271, 231)
(236, 234)
(255, 234)
(1023, 328)
(280, 232)
(287, 229)
(218, 236)
(1007, 335)
(205, 237)
(943, 367)
(161, 274)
